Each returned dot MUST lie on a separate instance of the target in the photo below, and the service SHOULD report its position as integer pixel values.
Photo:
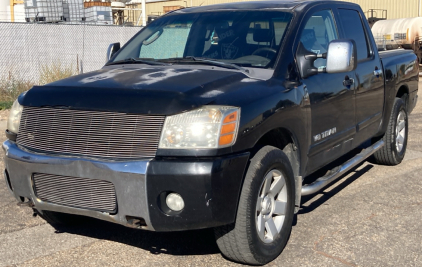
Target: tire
(241, 241)
(61, 219)
(394, 150)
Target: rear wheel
(396, 136)
(265, 213)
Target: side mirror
(341, 56)
(112, 49)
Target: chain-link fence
(27, 48)
(35, 53)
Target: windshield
(244, 38)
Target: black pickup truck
(214, 117)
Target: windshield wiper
(137, 60)
(207, 62)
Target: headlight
(206, 127)
(14, 117)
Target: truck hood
(163, 90)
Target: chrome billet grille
(90, 133)
(75, 192)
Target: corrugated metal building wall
(157, 8)
(395, 8)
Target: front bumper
(209, 187)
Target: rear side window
(255, 28)
(266, 32)
(353, 29)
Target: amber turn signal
(226, 139)
(228, 128)
(231, 117)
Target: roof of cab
(280, 4)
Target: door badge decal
(325, 134)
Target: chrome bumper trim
(128, 177)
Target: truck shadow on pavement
(198, 242)
(308, 204)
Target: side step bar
(337, 172)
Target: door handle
(377, 72)
(348, 82)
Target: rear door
(369, 80)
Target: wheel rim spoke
(401, 116)
(258, 204)
(401, 125)
(277, 185)
(261, 226)
(271, 229)
(267, 185)
(400, 139)
(280, 208)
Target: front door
(331, 96)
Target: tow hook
(35, 212)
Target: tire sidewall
(275, 159)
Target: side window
(353, 29)
(319, 31)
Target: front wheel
(265, 213)
(396, 136)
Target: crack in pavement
(325, 254)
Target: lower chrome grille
(75, 192)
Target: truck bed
(395, 52)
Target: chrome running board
(337, 172)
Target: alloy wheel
(271, 206)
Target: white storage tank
(19, 11)
(398, 32)
(4, 10)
